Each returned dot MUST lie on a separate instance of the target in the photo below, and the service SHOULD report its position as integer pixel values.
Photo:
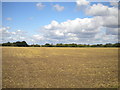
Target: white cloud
(78, 30)
(101, 28)
(38, 37)
(107, 21)
(13, 33)
(110, 21)
(112, 31)
(40, 6)
(11, 36)
(9, 18)
(114, 3)
(101, 10)
(4, 28)
(104, 16)
(82, 3)
(58, 7)
(86, 29)
(97, 10)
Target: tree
(48, 45)
(21, 44)
(24, 44)
(7, 44)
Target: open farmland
(50, 67)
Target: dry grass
(43, 67)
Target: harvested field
(51, 67)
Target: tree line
(24, 44)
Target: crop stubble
(50, 67)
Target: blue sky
(21, 13)
(28, 17)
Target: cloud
(114, 3)
(58, 7)
(107, 21)
(86, 30)
(40, 6)
(110, 21)
(82, 3)
(113, 31)
(104, 16)
(9, 18)
(38, 37)
(101, 10)
(7, 35)
(102, 27)
(97, 10)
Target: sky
(81, 22)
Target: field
(50, 67)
